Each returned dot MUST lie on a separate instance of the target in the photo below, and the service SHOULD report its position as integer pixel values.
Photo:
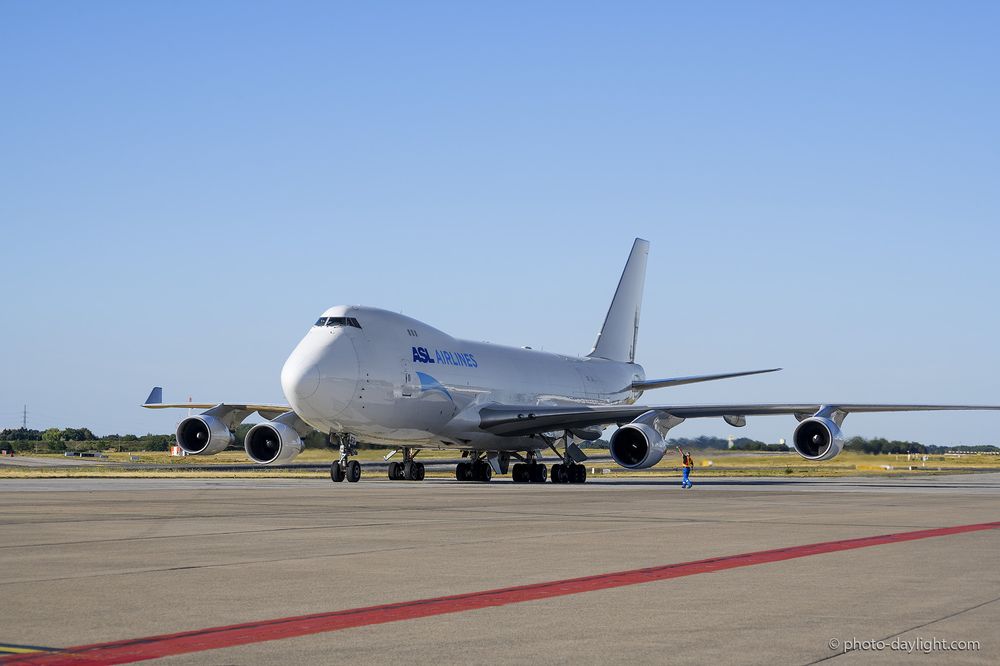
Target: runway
(93, 561)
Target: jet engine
(637, 446)
(818, 438)
(204, 435)
(268, 443)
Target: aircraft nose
(320, 378)
(299, 378)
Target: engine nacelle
(268, 443)
(818, 438)
(637, 446)
(203, 435)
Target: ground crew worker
(688, 463)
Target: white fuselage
(392, 380)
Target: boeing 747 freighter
(362, 374)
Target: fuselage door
(408, 385)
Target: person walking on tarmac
(688, 463)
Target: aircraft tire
(538, 473)
(336, 472)
(418, 473)
(462, 472)
(580, 475)
(393, 471)
(518, 474)
(353, 471)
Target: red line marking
(152, 647)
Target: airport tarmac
(783, 568)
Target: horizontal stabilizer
(648, 384)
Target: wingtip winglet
(155, 396)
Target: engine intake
(637, 446)
(268, 443)
(203, 435)
(818, 438)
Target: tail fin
(616, 341)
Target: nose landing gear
(344, 468)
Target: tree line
(879, 445)
(78, 439)
(706, 442)
(57, 440)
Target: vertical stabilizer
(616, 341)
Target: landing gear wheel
(518, 473)
(410, 471)
(463, 471)
(559, 474)
(393, 471)
(477, 471)
(336, 472)
(418, 471)
(353, 471)
(485, 472)
(579, 474)
(538, 472)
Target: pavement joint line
(152, 647)
(914, 628)
(220, 565)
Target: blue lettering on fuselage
(421, 355)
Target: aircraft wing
(520, 420)
(155, 401)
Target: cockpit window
(338, 321)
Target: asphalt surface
(31, 461)
(86, 561)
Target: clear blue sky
(185, 186)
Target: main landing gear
(409, 469)
(570, 472)
(529, 472)
(346, 468)
(567, 471)
(477, 470)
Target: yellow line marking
(10, 648)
